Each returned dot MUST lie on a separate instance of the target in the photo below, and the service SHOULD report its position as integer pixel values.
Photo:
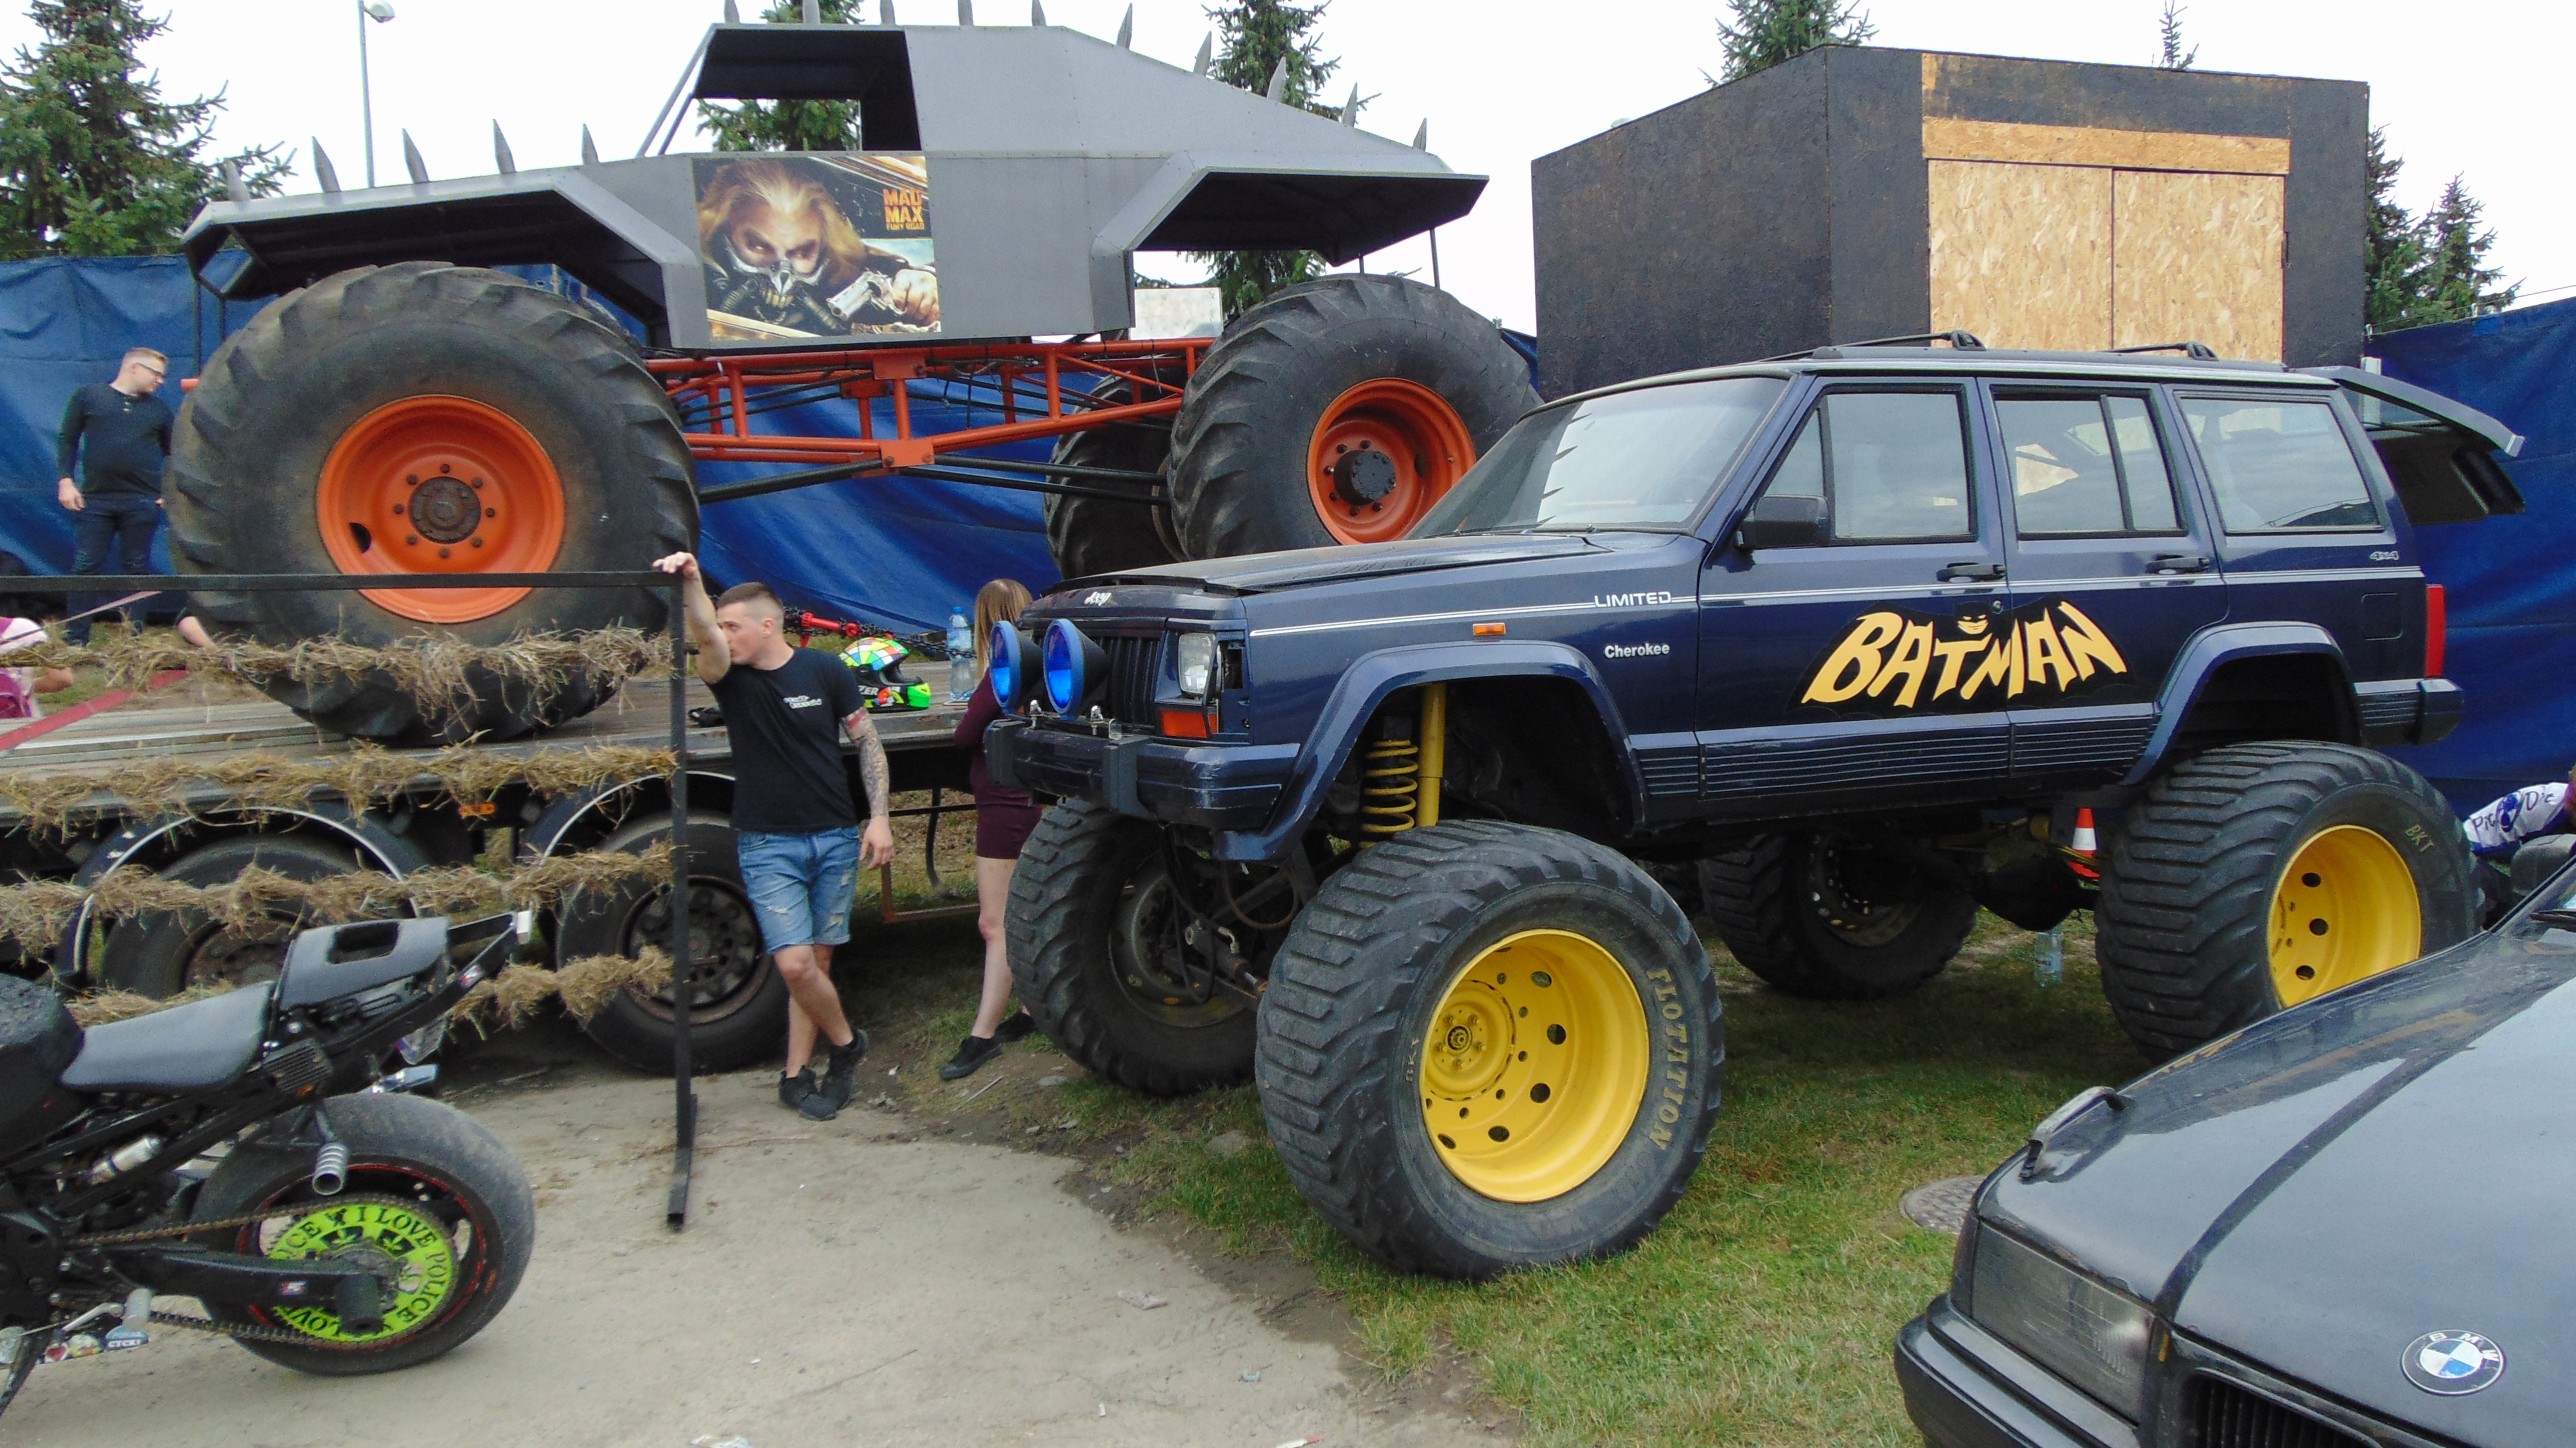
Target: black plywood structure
(1865, 192)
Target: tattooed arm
(876, 844)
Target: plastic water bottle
(2049, 966)
(961, 656)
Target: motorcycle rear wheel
(463, 1178)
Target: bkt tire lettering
(1901, 659)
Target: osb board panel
(2199, 257)
(1957, 140)
(2021, 255)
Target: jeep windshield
(1644, 459)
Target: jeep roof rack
(1959, 341)
(2195, 349)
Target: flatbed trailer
(208, 834)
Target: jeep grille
(1133, 664)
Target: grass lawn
(1765, 1308)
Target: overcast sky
(1501, 82)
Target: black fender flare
(2225, 643)
(1373, 677)
(373, 838)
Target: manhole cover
(1942, 1205)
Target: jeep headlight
(1194, 658)
(2092, 1335)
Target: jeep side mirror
(1778, 522)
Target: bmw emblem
(2452, 1363)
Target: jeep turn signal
(1185, 723)
(1489, 630)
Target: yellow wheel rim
(1535, 1067)
(2344, 909)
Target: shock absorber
(1390, 780)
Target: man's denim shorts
(800, 885)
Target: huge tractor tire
(424, 418)
(1091, 535)
(1338, 411)
(738, 1014)
(1093, 933)
(1831, 919)
(1488, 1046)
(2256, 876)
(161, 953)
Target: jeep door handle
(1971, 572)
(2179, 563)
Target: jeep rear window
(1645, 459)
(2278, 465)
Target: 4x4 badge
(1904, 658)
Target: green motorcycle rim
(412, 1240)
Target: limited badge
(2452, 1363)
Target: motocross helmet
(878, 663)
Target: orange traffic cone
(2084, 846)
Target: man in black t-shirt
(795, 828)
(116, 435)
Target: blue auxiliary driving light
(1071, 666)
(1007, 659)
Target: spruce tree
(93, 162)
(788, 125)
(2395, 278)
(1252, 36)
(2175, 57)
(1767, 32)
(2458, 282)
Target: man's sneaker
(792, 1090)
(972, 1053)
(840, 1079)
(1019, 1026)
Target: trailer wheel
(1091, 932)
(1104, 535)
(739, 1013)
(1338, 411)
(162, 953)
(424, 418)
(2256, 876)
(1831, 919)
(1488, 1046)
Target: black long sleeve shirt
(121, 441)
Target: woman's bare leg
(993, 896)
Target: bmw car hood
(1267, 572)
(2320, 1190)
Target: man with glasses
(118, 435)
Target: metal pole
(684, 983)
(366, 95)
(1435, 258)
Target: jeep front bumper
(1222, 787)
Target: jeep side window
(2278, 465)
(2086, 466)
(1892, 467)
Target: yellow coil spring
(1390, 787)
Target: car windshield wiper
(2560, 916)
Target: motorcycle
(250, 1151)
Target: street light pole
(380, 12)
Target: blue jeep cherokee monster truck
(1856, 634)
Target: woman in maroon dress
(1003, 819)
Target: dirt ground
(839, 1284)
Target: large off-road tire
(1488, 1046)
(1105, 535)
(452, 1165)
(2256, 876)
(739, 1014)
(1090, 906)
(427, 418)
(1830, 919)
(1338, 411)
(162, 953)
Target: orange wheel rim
(440, 485)
(1384, 453)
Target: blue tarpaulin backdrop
(896, 551)
(2511, 582)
